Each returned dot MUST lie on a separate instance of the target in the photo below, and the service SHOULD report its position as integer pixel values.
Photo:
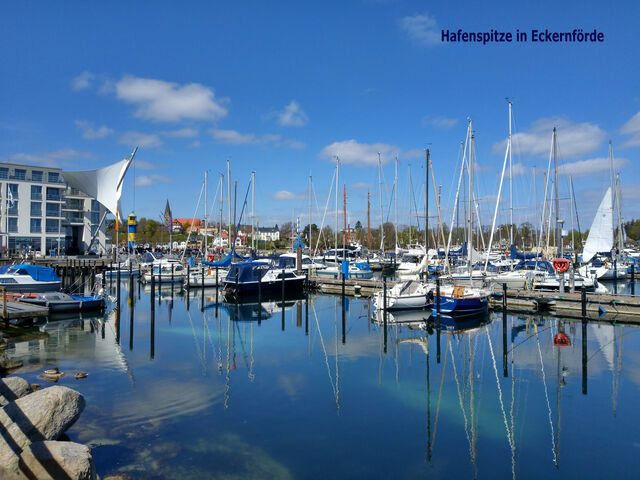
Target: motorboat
(25, 278)
(261, 279)
(206, 276)
(358, 270)
(405, 295)
(62, 302)
(289, 260)
(166, 271)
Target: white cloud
(632, 128)
(295, 144)
(519, 169)
(139, 139)
(364, 154)
(582, 168)
(162, 101)
(292, 115)
(422, 29)
(82, 81)
(440, 122)
(286, 195)
(181, 133)
(148, 180)
(574, 139)
(233, 137)
(55, 158)
(360, 185)
(144, 165)
(91, 133)
(195, 144)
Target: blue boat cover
(298, 243)
(523, 256)
(41, 274)
(226, 261)
(540, 264)
(4, 269)
(246, 272)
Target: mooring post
(202, 277)
(384, 310)
(505, 370)
(152, 324)
(260, 288)
(118, 289)
(438, 325)
(583, 301)
(306, 315)
(188, 277)
(153, 293)
(584, 356)
(131, 314)
(4, 306)
(633, 279)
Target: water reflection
(490, 396)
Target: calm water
(217, 393)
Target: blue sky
(280, 87)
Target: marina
(481, 397)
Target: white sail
(600, 237)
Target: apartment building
(39, 212)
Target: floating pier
(578, 304)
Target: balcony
(75, 219)
(54, 197)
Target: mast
(573, 245)
(557, 201)
(229, 202)
(253, 204)
(510, 182)
(309, 214)
(206, 224)
(396, 203)
(221, 198)
(336, 235)
(381, 211)
(470, 200)
(410, 204)
(344, 212)
(368, 220)
(535, 207)
(426, 206)
(620, 237)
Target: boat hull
(37, 287)
(264, 289)
(459, 307)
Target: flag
(117, 219)
(168, 219)
(10, 198)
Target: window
(12, 191)
(94, 229)
(12, 225)
(53, 210)
(12, 209)
(95, 206)
(20, 174)
(36, 209)
(4, 172)
(95, 218)
(53, 177)
(52, 226)
(36, 192)
(36, 175)
(53, 194)
(36, 225)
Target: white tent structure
(104, 184)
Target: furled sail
(600, 237)
(104, 184)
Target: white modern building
(40, 213)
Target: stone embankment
(31, 422)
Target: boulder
(51, 460)
(41, 415)
(13, 388)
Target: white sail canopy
(600, 237)
(104, 184)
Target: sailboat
(600, 240)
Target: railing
(55, 198)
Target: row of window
(36, 175)
(51, 226)
(36, 193)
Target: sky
(281, 88)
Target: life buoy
(210, 257)
(561, 264)
(561, 340)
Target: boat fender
(561, 340)
(561, 264)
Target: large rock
(42, 415)
(13, 388)
(52, 460)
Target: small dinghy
(62, 302)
